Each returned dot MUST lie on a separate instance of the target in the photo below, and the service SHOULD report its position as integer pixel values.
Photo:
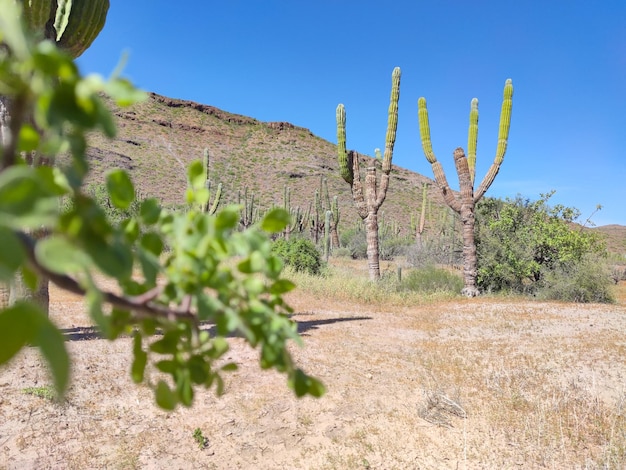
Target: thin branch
(141, 304)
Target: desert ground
(463, 384)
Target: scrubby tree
(464, 200)
(524, 246)
(370, 198)
(210, 273)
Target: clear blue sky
(296, 60)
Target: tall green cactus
(369, 200)
(208, 207)
(249, 212)
(464, 201)
(72, 24)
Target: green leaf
(139, 362)
(25, 323)
(51, 342)
(17, 327)
(227, 219)
(282, 286)
(302, 384)
(275, 220)
(230, 367)
(121, 189)
(165, 398)
(115, 260)
(11, 254)
(28, 139)
(150, 211)
(28, 197)
(198, 369)
(152, 242)
(168, 344)
(59, 255)
(196, 175)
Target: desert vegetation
(207, 306)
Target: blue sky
(295, 61)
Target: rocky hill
(159, 137)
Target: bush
(354, 240)
(300, 254)
(431, 279)
(525, 246)
(586, 281)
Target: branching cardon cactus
(464, 201)
(369, 199)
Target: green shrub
(299, 253)
(431, 279)
(586, 281)
(525, 246)
(354, 240)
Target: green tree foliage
(523, 245)
(212, 273)
(299, 253)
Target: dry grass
(482, 383)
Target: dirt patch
(467, 384)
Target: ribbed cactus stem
(345, 165)
(207, 206)
(379, 156)
(472, 139)
(327, 218)
(424, 125)
(505, 120)
(72, 24)
(392, 119)
(334, 207)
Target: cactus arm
(425, 131)
(503, 136)
(472, 139)
(505, 121)
(78, 23)
(392, 120)
(216, 199)
(345, 165)
(36, 14)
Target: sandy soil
(479, 383)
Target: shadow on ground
(85, 333)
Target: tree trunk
(17, 290)
(371, 235)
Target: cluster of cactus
(210, 207)
(323, 205)
(249, 212)
(72, 24)
(418, 222)
(299, 219)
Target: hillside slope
(158, 138)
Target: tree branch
(141, 305)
